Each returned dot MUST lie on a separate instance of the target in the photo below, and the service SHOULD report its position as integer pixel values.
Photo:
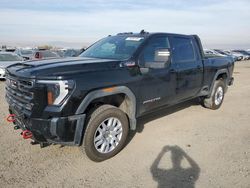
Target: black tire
(95, 119)
(211, 102)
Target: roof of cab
(147, 34)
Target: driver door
(158, 85)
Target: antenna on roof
(143, 32)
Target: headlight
(57, 90)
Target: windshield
(9, 57)
(115, 47)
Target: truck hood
(60, 67)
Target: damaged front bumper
(57, 130)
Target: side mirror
(162, 55)
(161, 59)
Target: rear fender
(218, 73)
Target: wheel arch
(224, 74)
(121, 97)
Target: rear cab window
(183, 49)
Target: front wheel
(106, 133)
(217, 96)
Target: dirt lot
(184, 146)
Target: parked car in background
(6, 59)
(68, 52)
(238, 55)
(245, 54)
(26, 54)
(210, 52)
(72, 52)
(9, 49)
(59, 52)
(44, 54)
(235, 58)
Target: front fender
(111, 91)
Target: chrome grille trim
(19, 94)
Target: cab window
(183, 50)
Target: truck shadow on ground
(176, 176)
(160, 113)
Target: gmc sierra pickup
(93, 100)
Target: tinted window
(148, 53)
(183, 49)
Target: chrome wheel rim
(108, 135)
(219, 95)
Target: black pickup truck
(94, 100)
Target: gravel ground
(184, 146)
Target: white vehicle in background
(7, 59)
(235, 58)
(25, 53)
(245, 54)
(238, 55)
(211, 52)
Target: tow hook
(27, 134)
(11, 118)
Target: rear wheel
(217, 96)
(106, 133)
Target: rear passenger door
(189, 67)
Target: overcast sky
(219, 23)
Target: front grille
(19, 94)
